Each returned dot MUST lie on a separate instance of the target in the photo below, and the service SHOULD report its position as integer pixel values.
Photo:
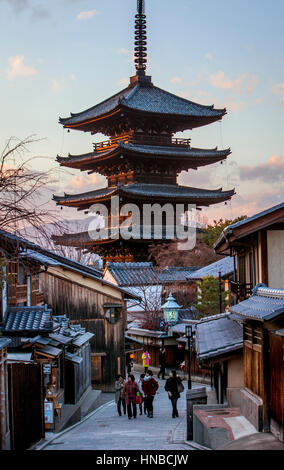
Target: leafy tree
(213, 232)
(208, 296)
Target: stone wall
(252, 408)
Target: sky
(62, 56)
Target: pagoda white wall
(275, 255)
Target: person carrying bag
(174, 387)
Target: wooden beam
(264, 258)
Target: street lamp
(188, 333)
(171, 310)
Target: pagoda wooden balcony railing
(140, 139)
(242, 290)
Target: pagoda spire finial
(140, 50)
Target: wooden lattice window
(248, 333)
(253, 335)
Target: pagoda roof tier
(193, 157)
(143, 99)
(84, 240)
(147, 192)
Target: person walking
(130, 391)
(119, 385)
(150, 386)
(172, 386)
(129, 363)
(162, 362)
(140, 384)
(146, 359)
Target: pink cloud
(88, 182)
(245, 83)
(270, 172)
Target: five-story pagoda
(141, 159)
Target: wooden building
(141, 160)
(262, 398)
(257, 243)
(74, 290)
(219, 346)
(151, 283)
(4, 404)
(26, 404)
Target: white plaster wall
(275, 254)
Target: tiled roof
(44, 256)
(164, 191)
(28, 319)
(200, 156)
(133, 274)
(99, 109)
(4, 342)
(189, 313)
(82, 339)
(217, 336)
(225, 266)
(49, 258)
(177, 191)
(50, 351)
(265, 304)
(155, 100)
(179, 328)
(174, 273)
(146, 99)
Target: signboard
(47, 369)
(48, 412)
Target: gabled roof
(224, 265)
(46, 257)
(133, 274)
(42, 255)
(218, 335)
(250, 224)
(145, 99)
(137, 274)
(265, 304)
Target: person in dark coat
(119, 384)
(130, 391)
(171, 387)
(162, 362)
(150, 386)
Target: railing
(241, 290)
(140, 138)
(107, 144)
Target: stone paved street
(105, 430)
